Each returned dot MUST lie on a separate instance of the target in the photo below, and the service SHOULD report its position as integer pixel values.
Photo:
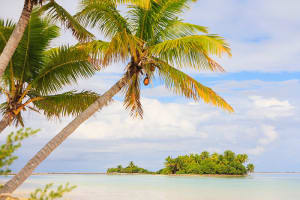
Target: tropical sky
(261, 83)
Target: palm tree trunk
(103, 100)
(4, 122)
(16, 36)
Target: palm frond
(177, 29)
(146, 4)
(58, 13)
(103, 15)
(191, 51)
(97, 51)
(6, 28)
(167, 11)
(182, 84)
(122, 46)
(28, 57)
(140, 19)
(65, 104)
(63, 66)
(149, 22)
(6, 25)
(132, 96)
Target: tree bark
(103, 100)
(16, 36)
(4, 122)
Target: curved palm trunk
(16, 36)
(4, 122)
(103, 100)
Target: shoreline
(104, 173)
(136, 174)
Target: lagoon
(156, 187)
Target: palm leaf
(182, 84)
(63, 66)
(97, 50)
(58, 13)
(191, 51)
(103, 15)
(149, 22)
(177, 29)
(146, 4)
(132, 96)
(140, 19)
(122, 46)
(167, 11)
(65, 104)
(28, 57)
(6, 28)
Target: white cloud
(270, 108)
(177, 126)
(270, 135)
(161, 120)
(264, 36)
(256, 151)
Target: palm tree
(131, 164)
(119, 167)
(36, 73)
(154, 42)
(55, 11)
(241, 158)
(250, 168)
(204, 155)
(171, 165)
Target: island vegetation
(227, 163)
(131, 168)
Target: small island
(205, 163)
(130, 169)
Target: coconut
(146, 81)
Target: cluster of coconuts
(147, 80)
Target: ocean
(150, 187)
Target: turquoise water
(147, 187)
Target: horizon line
(104, 173)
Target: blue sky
(261, 83)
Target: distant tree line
(205, 163)
(131, 168)
(227, 163)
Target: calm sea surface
(147, 187)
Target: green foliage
(37, 73)
(250, 168)
(47, 194)
(227, 163)
(131, 168)
(58, 13)
(157, 42)
(7, 150)
(204, 163)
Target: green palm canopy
(154, 41)
(36, 74)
